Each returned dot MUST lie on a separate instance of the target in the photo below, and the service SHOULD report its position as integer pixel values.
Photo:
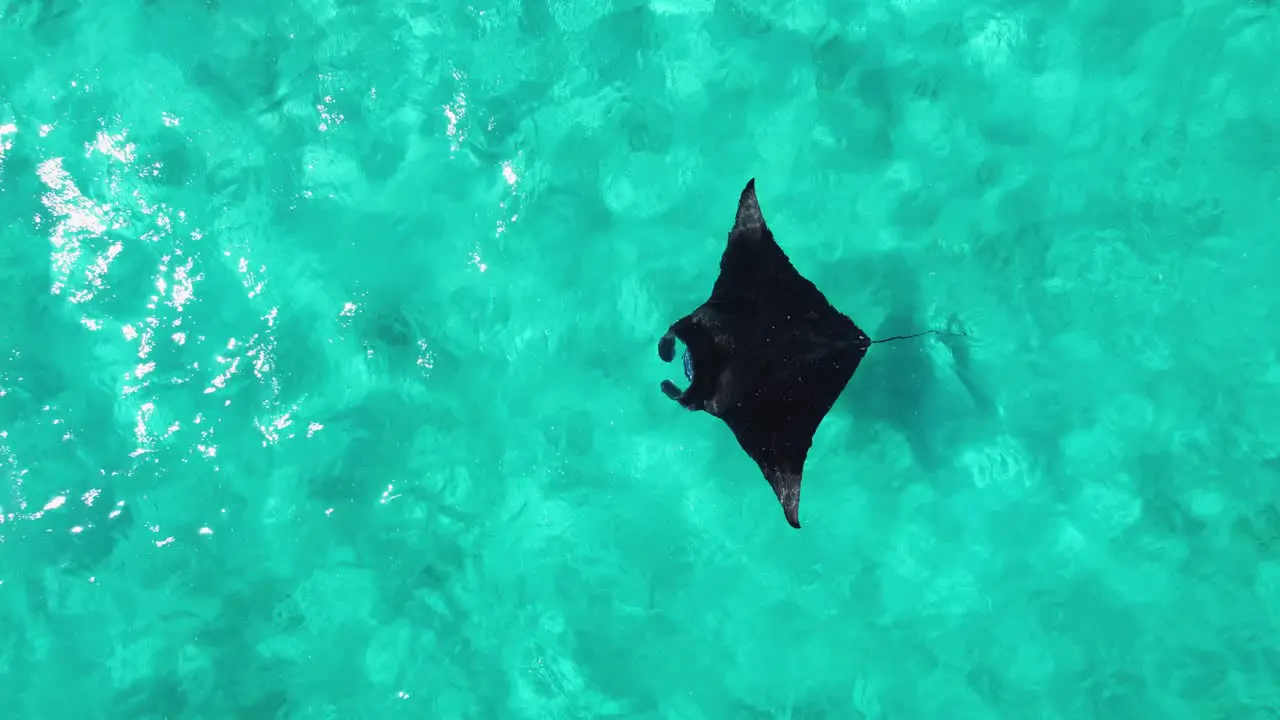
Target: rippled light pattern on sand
(328, 383)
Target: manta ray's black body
(769, 354)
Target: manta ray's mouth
(686, 359)
(667, 352)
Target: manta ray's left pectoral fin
(786, 485)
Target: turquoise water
(329, 383)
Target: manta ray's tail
(916, 335)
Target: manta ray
(767, 354)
